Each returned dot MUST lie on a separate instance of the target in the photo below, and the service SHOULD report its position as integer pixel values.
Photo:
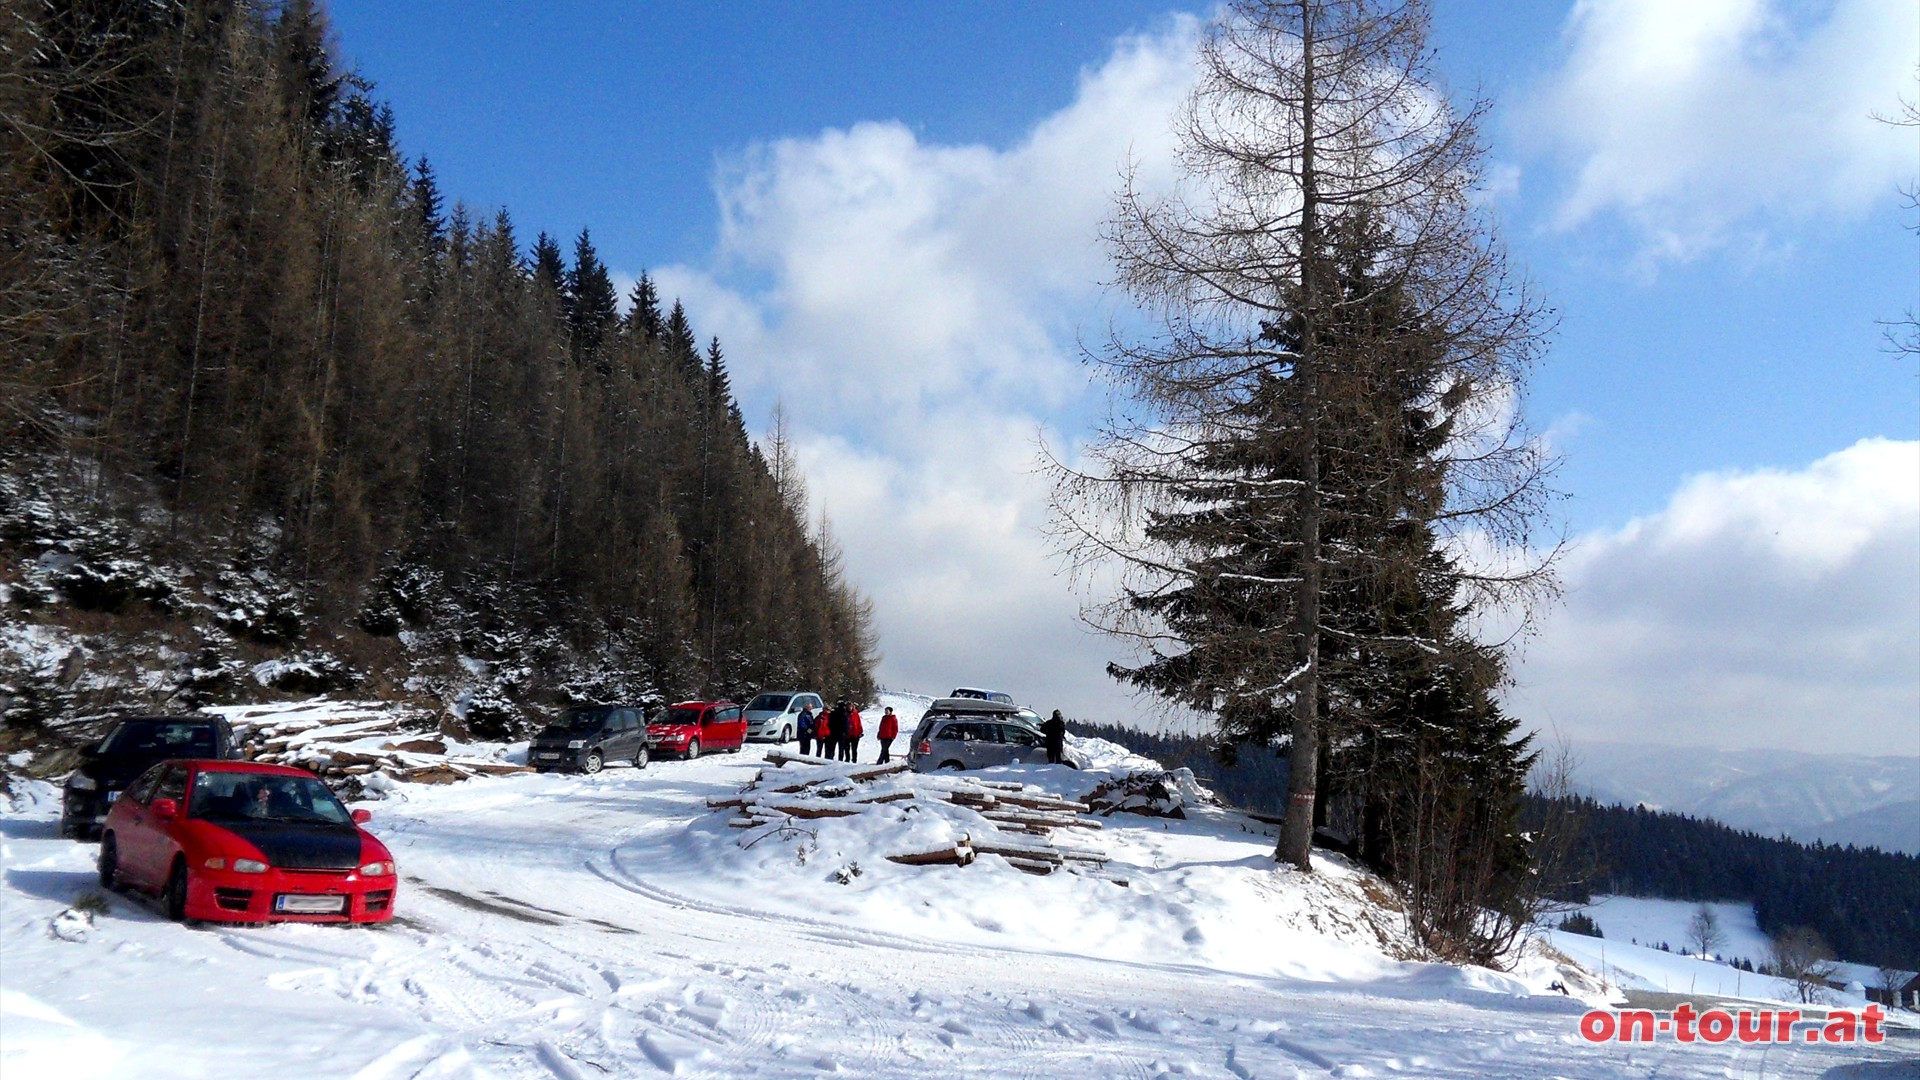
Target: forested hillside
(269, 397)
(1865, 902)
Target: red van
(692, 727)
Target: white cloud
(915, 306)
(1717, 121)
(1767, 608)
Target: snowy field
(614, 926)
(1633, 920)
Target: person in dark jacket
(805, 728)
(1055, 729)
(837, 730)
(889, 730)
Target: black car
(588, 737)
(134, 744)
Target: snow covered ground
(1634, 920)
(614, 926)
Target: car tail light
(926, 747)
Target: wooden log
(493, 768)
(877, 771)
(418, 746)
(1046, 802)
(1032, 866)
(1028, 817)
(813, 811)
(720, 804)
(959, 854)
(885, 797)
(780, 758)
(1017, 851)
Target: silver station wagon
(774, 716)
(969, 733)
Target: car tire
(693, 749)
(640, 758)
(174, 896)
(954, 766)
(109, 863)
(786, 735)
(595, 761)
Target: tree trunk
(1296, 833)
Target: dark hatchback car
(588, 737)
(134, 745)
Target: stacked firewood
(401, 745)
(1016, 821)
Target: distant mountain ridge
(1866, 801)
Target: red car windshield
(679, 716)
(242, 796)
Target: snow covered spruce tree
(1319, 472)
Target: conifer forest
(270, 393)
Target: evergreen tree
(644, 320)
(682, 348)
(549, 270)
(593, 306)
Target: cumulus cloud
(1711, 121)
(1768, 608)
(915, 307)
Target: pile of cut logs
(1016, 821)
(329, 747)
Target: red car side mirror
(165, 809)
(361, 817)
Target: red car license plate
(300, 904)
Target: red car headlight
(250, 866)
(377, 869)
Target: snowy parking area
(615, 926)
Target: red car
(238, 841)
(691, 727)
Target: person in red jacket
(850, 750)
(889, 730)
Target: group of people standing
(838, 730)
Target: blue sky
(889, 217)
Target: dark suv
(134, 744)
(588, 737)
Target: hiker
(850, 750)
(1055, 729)
(805, 727)
(889, 730)
(836, 731)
